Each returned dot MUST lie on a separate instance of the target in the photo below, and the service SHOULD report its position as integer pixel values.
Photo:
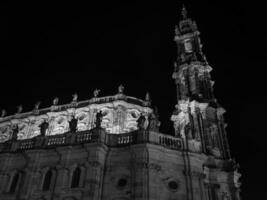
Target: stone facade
(110, 148)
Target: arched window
(14, 183)
(75, 181)
(47, 180)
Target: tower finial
(96, 92)
(3, 113)
(184, 12)
(120, 89)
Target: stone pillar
(198, 187)
(141, 182)
(95, 169)
(212, 190)
(94, 180)
(203, 135)
(4, 182)
(26, 187)
(63, 178)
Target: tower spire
(197, 116)
(184, 12)
(192, 72)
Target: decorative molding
(118, 117)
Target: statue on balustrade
(74, 97)
(99, 117)
(43, 128)
(15, 132)
(96, 92)
(120, 89)
(153, 122)
(73, 124)
(188, 131)
(141, 122)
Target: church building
(110, 147)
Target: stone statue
(141, 122)
(19, 109)
(99, 117)
(153, 122)
(121, 89)
(73, 124)
(187, 131)
(37, 104)
(96, 92)
(15, 131)
(43, 128)
(148, 97)
(74, 97)
(3, 113)
(55, 101)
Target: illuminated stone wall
(119, 116)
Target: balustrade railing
(56, 141)
(85, 137)
(27, 144)
(94, 136)
(125, 139)
(173, 143)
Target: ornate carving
(96, 92)
(35, 124)
(5, 133)
(58, 123)
(23, 129)
(117, 117)
(120, 89)
(83, 116)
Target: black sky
(52, 49)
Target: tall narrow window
(47, 180)
(76, 178)
(14, 183)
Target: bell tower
(191, 71)
(198, 117)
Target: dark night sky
(50, 50)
